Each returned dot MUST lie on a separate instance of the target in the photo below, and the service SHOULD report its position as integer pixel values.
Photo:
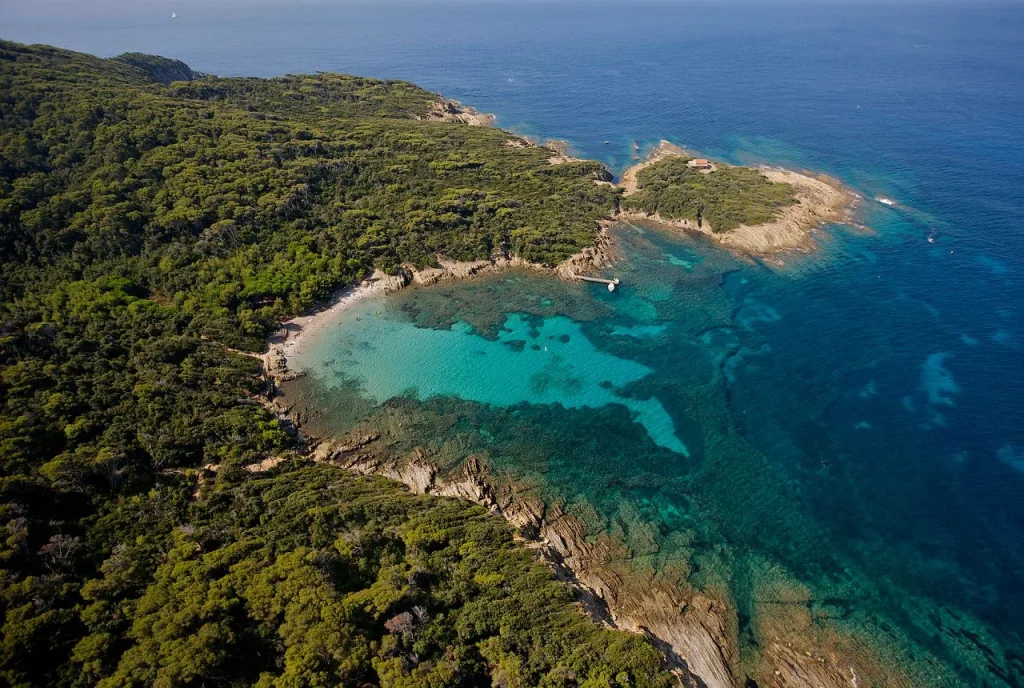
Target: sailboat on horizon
(174, 15)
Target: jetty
(612, 283)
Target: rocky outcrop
(266, 464)
(449, 270)
(664, 149)
(162, 70)
(697, 630)
(275, 363)
(795, 668)
(690, 628)
(561, 150)
(447, 110)
(600, 255)
(821, 200)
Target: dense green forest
(145, 228)
(725, 198)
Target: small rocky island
(759, 211)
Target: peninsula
(167, 524)
(760, 211)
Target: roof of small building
(700, 161)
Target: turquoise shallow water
(854, 418)
(711, 412)
(532, 360)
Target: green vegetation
(725, 199)
(315, 577)
(145, 228)
(160, 69)
(237, 215)
(314, 96)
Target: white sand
(288, 341)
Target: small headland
(757, 211)
(448, 110)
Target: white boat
(885, 201)
(174, 15)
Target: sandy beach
(822, 200)
(690, 624)
(289, 339)
(291, 336)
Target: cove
(533, 360)
(719, 418)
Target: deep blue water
(888, 364)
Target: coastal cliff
(160, 69)
(696, 630)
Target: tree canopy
(725, 198)
(145, 229)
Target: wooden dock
(612, 283)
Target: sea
(849, 421)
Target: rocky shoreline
(822, 200)
(697, 630)
(448, 110)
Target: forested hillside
(144, 229)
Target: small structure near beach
(612, 283)
(700, 164)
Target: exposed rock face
(162, 70)
(600, 255)
(697, 630)
(447, 110)
(276, 365)
(794, 668)
(456, 270)
(593, 257)
(691, 629)
(355, 444)
(266, 464)
(561, 151)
